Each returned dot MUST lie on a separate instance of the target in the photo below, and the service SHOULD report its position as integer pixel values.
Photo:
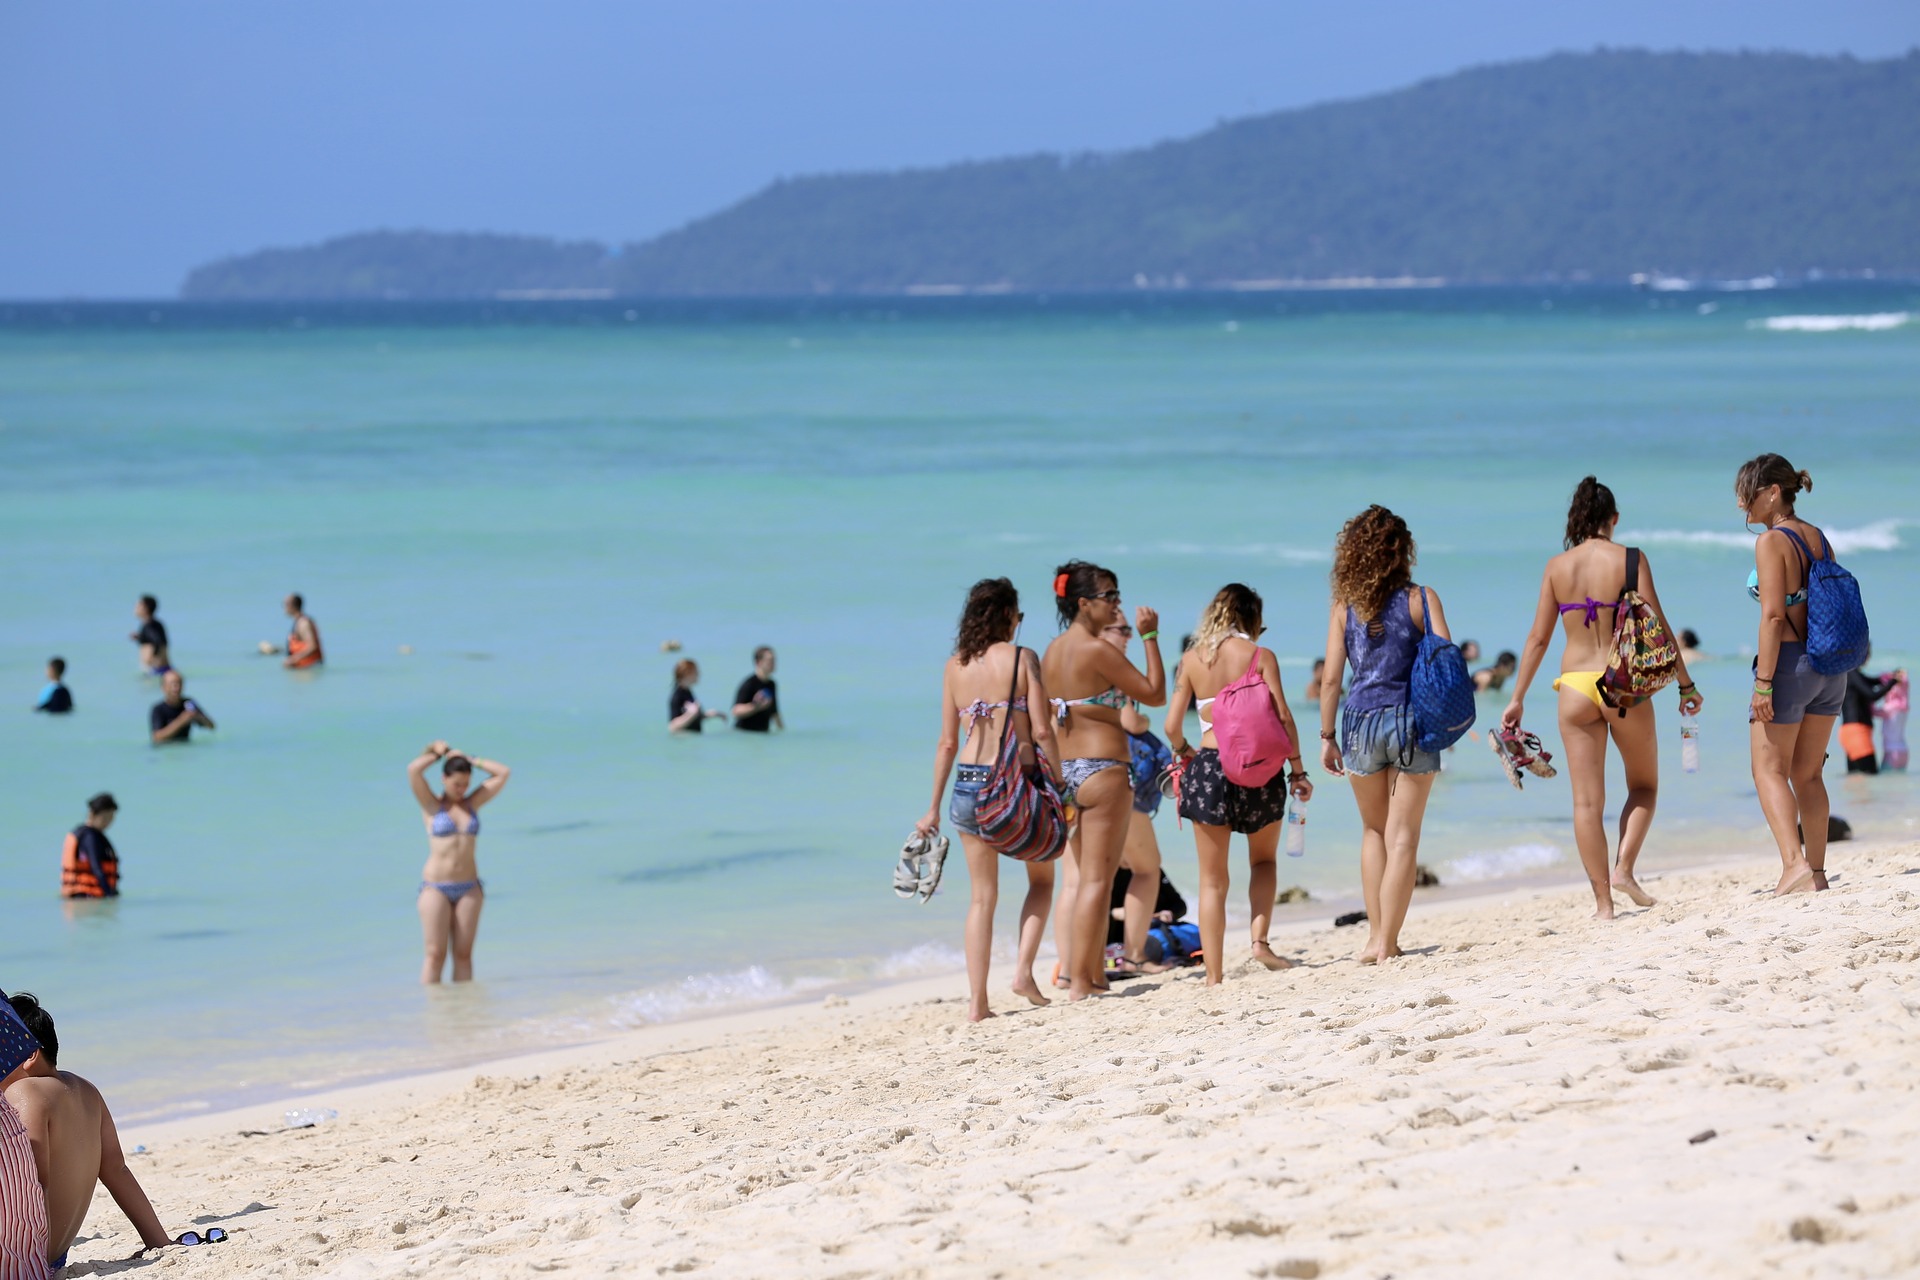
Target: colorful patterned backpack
(1642, 658)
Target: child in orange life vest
(89, 868)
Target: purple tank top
(1382, 665)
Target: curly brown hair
(1372, 558)
(991, 616)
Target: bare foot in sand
(1820, 879)
(1263, 954)
(1029, 990)
(1628, 885)
(1795, 879)
(980, 1015)
(1377, 952)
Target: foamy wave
(1251, 550)
(1873, 322)
(1881, 535)
(927, 958)
(701, 993)
(1496, 864)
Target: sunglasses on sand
(213, 1235)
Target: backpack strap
(1633, 571)
(1806, 552)
(1426, 611)
(1006, 727)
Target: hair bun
(1806, 481)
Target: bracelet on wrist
(1326, 736)
(1150, 635)
(1689, 688)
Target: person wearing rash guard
(173, 717)
(151, 637)
(55, 698)
(756, 707)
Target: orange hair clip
(1060, 585)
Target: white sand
(1515, 1102)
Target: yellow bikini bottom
(1586, 682)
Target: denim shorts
(1798, 690)
(1381, 738)
(967, 781)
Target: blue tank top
(1383, 664)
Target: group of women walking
(1070, 711)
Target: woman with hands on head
(1226, 645)
(1580, 588)
(1377, 619)
(987, 662)
(1092, 681)
(451, 893)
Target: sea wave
(1497, 864)
(1872, 322)
(1881, 535)
(1248, 550)
(699, 993)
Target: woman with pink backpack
(1238, 779)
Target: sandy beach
(1720, 1085)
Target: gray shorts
(1383, 738)
(1798, 690)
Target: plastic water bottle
(1690, 744)
(1297, 829)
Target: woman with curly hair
(1093, 681)
(1376, 621)
(1580, 588)
(975, 685)
(1226, 645)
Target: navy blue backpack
(1836, 619)
(1441, 691)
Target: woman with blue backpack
(1619, 651)
(1813, 630)
(1411, 698)
(1247, 763)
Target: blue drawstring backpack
(1836, 619)
(1441, 692)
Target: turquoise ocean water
(532, 497)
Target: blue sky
(138, 140)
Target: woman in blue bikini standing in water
(1581, 587)
(1092, 680)
(451, 894)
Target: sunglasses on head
(213, 1235)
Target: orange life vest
(76, 873)
(300, 653)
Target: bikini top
(1592, 607)
(980, 709)
(1111, 698)
(1753, 579)
(443, 824)
(1200, 705)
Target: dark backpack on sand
(1837, 639)
(1440, 693)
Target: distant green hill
(1598, 164)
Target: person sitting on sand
(1579, 588)
(173, 717)
(1498, 674)
(55, 699)
(451, 893)
(75, 1145)
(23, 1205)
(151, 637)
(303, 639)
(975, 684)
(1147, 756)
(1167, 907)
(684, 712)
(89, 868)
(1226, 649)
(1377, 617)
(1091, 682)
(1794, 707)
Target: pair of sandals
(923, 859)
(1517, 750)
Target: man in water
(1496, 676)
(151, 637)
(303, 641)
(756, 707)
(55, 699)
(74, 1142)
(89, 867)
(173, 717)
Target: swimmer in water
(451, 893)
(151, 637)
(303, 639)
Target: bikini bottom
(1583, 682)
(452, 890)
(1074, 773)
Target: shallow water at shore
(532, 501)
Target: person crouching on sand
(1579, 587)
(74, 1142)
(1225, 650)
(1092, 681)
(975, 685)
(451, 893)
(1376, 621)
